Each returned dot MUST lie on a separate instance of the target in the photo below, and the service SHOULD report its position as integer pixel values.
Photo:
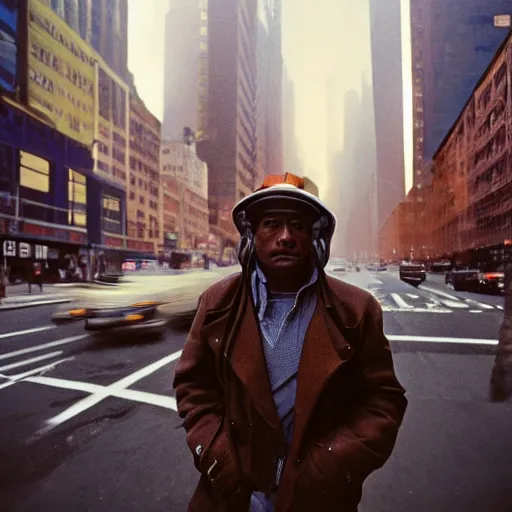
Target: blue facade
(21, 132)
(462, 41)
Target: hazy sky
(319, 37)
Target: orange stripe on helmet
(279, 179)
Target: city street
(89, 424)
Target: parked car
(490, 278)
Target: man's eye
(297, 225)
(269, 223)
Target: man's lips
(284, 256)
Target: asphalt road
(90, 424)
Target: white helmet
(288, 193)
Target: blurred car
(376, 267)
(412, 273)
(139, 303)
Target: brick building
(469, 206)
(143, 183)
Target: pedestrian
(2, 284)
(36, 276)
(501, 376)
(286, 383)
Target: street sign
(10, 248)
(24, 250)
(502, 21)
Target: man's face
(283, 241)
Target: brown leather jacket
(349, 405)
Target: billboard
(61, 74)
(8, 44)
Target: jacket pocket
(202, 435)
(326, 483)
(220, 463)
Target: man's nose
(285, 238)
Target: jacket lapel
(325, 349)
(247, 358)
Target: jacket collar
(325, 349)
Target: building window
(105, 86)
(204, 15)
(34, 172)
(204, 31)
(132, 196)
(112, 214)
(77, 199)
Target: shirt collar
(260, 289)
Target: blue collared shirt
(284, 319)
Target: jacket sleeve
(367, 437)
(199, 395)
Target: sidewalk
(19, 298)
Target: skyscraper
(269, 87)
(388, 104)
(452, 44)
(229, 145)
(291, 159)
(186, 46)
(103, 24)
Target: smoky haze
(328, 102)
(350, 140)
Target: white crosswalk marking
(25, 332)
(400, 302)
(38, 348)
(479, 304)
(439, 302)
(26, 362)
(455, 304)
(12, 379)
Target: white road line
(27, 331)
(391, 309)
(44, 346)
(13, 379)
(26, 362)
(499, 307)
(479, 304)
(104, 392)
(457, 304)
(413, 296)
(438, 292)
(434, 339)
(475, 311)
(167, 402)
(400, 302)
(144, 372)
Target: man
(36, 277)
(286, 382)
(501, 377)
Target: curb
(34, 304)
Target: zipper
(279, 470)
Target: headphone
(245, 248)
